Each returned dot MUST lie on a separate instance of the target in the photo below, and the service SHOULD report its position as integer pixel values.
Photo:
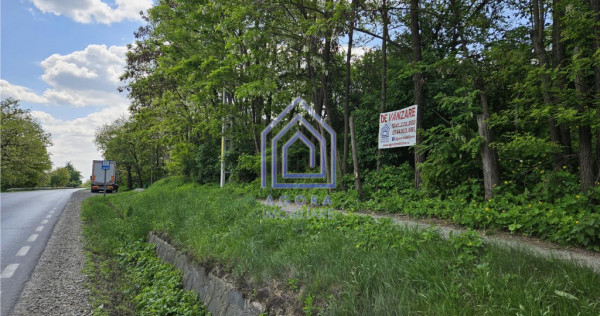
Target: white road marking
(32, 238)
(9, 270)
(23, 251)
(45, 222)
(51, 211)
(39, 228)
(48, 216)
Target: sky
(62, 59)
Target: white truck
(98, 176)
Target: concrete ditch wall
(220, 297)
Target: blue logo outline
(298, 136)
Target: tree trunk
(418, 81)
(537, 39)
(338, 167)
(139, 176)
(555, 138)
(138, 170)
(256, 119)
(586, 164)
(489, 157)
(558, 59)
(384, 17)
(595, 6)
(357, 184)
(129, 177)
(597, 155)
(316, 92)
(325, 96)
(491, 176)
(347, 89)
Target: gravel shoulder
(57, 285)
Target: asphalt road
(27, 220)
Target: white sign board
(398, 128)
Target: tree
(24, 143)
(418, 82)
(74, 175)
(469, 68)
(59, 177)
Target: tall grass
(349, 264)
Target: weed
(350, 265)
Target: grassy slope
(351, 265)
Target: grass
(125, 275)
(345, 265)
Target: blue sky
(62, 59)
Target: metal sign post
(104, 182)
(105, 166)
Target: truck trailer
(97, 178)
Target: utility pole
(223, 145)
(357, 184)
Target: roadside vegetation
(25, 159)
(125, 276)
(344, 265)
(510, 85)
(554, 211)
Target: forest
(507, 95)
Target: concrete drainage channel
(220, 297)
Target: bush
(340, 265)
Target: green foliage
(468, 246)
(59, 177)
(451, 156)
(137, 147)
(182, 159)
(248, 168)
(125, 275)
(74, 175)
(199, 162)
(345, 264)
(571, 219)
(24, 155)
(391, 178)
(187, 83)
(158, 284)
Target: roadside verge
(535, 246)
(57, 285)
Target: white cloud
(357, 51)
(8, 90)
(89, 77)
(88, 11)
(73, 140)
(97, 67)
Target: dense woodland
(507, 91)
